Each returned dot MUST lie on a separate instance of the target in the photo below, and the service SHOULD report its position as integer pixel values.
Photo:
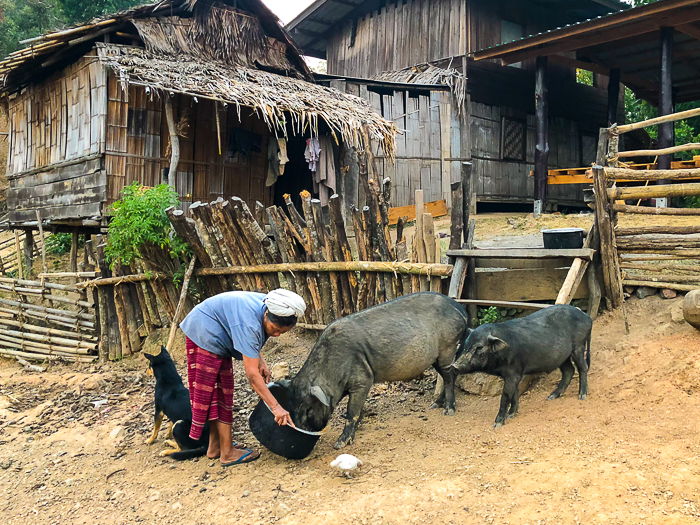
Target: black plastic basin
(285, 441)
(562, 238)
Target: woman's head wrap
(284, 303)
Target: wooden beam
(506, 304)
(613, 95)
(665, 139)
(681, 115)
(542, 135)
(644, 210)
(648, 192)
(430, 269)
(575, 275)
(662, 151)
(522, 253)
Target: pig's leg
(356, 401)
(579, 357)
(567, 372)
(514, 403)
(446, 397)
(510, 389)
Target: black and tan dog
(172, 400)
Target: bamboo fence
(654, 255)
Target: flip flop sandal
(248, 457)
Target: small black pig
(548, 339)
(394, 341)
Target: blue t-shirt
(228, 324)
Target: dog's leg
(158, 420)
(170, 430)
(168, 451)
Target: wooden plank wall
(59, 120)
(138, 147)
(429, 150)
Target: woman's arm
(252, 372)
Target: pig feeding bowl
(285, 441)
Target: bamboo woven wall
(60, 119)
(138, 146)
(57, 133)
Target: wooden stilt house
(188, 92)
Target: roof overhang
(312, 27)
(626, 40)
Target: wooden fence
(653, 255)
(336, 268)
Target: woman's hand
(282, 417)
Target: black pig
(548, 339)
(394, 341)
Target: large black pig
(394, 341)
(541, 342)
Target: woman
(228, 325)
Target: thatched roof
(233, 51)
(221, 28)
(282, 102)
(430, 74)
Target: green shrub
(58, 243)
(489, 315)
(139, 218)
(689, 202)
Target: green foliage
(58, 243)
(489, 315)
(22, 19)
(139, 218)
(584, 76)
(689, 202)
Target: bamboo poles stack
(309, 251)
(656, 256)
(8, 250)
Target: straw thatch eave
(282, 102)
(45, 51)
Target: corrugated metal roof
(311, 27)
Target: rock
(677, 312)
(177, 505)
(485, 385)
(245, 494)
(667, 293)
(116, 433)
(691, 308)
(628, 289)
(644, 291)
(280, 370)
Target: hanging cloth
(282, 155)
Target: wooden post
(613, 95)
(456, 216)
(174, 141)
(466, 173)
(18, 252)
(542, 133)
(608, 248)
(74, 251)
(666, 96)
(44, 268)
(28, 251)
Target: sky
(286, 10)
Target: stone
(691, 308)
(628, 289)
(644, 291)
(677, 312)
(667, 293)
(116, 433)
(486, 385)
(280, 370)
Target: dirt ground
(71, 447)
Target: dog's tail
(189, 453)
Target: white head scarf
(284, 303)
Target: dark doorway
(297, 176)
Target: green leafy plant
(139, 218)
(489, 315)
(58, 243)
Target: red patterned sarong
(210, 378)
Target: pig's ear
(320, 395)
(496, 344)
